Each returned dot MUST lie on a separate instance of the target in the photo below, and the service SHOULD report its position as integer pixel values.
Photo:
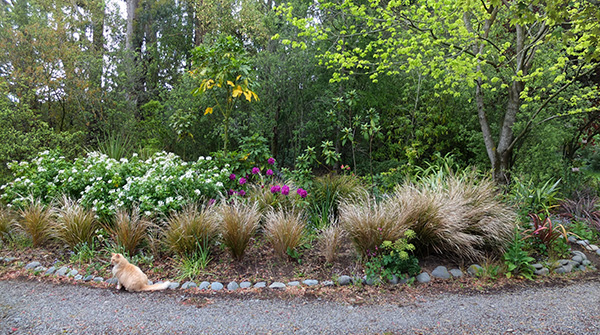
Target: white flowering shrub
(158, 185)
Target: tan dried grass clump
(191, 230)
(238, 223)
(369, 223)
(7, 223)
(284, 230)
(331, 241)
(456, 216)
(129, 229)
(75, 224)
(37, 221)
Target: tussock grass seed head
(284, 230)
(75, 224)
(369, 223)
(238, 222)
(129, 230)
(191, 230)
(37, 221)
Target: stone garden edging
(578, 262)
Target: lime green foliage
(193, 264)
(191, 230)
(238, 223)
(37, 221)
(394, 259)
(75, 225)
(285, 231)
(129, 230)
(223, 68)
(517, 260)
(530, 198)
(467, 46)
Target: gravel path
(44, 308)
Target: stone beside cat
(131, 277)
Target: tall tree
(525, 53)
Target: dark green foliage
(517, 260)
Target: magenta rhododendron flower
(285, 190)
(230, 192)
(269, 172)
(232, 177)
(243, 181)
(255, 170)
(241, 193)
(271, 161)
(275, 189)
(302, 193)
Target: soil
(261, 264)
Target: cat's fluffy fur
(131, 277)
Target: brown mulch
(261, 264)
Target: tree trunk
(132, 6)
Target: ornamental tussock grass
(238, 223)
(327, 193)
(75, 224)
(7, 223)
(369, 223)
(455, 215)
(330, 241)
(191, 230)
(37, 222)
(129, 229)
(284, 230)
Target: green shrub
(37, 221)
(517, 260)
(238, 222)
(191, 230)
(75, 224)
(285, 231)
(156, 185)
(530, 198)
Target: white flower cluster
(162, 183)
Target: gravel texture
(28, 307)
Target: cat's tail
(156, 287)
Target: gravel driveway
(28, 307)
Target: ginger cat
(131, 277)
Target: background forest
(332, 83)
